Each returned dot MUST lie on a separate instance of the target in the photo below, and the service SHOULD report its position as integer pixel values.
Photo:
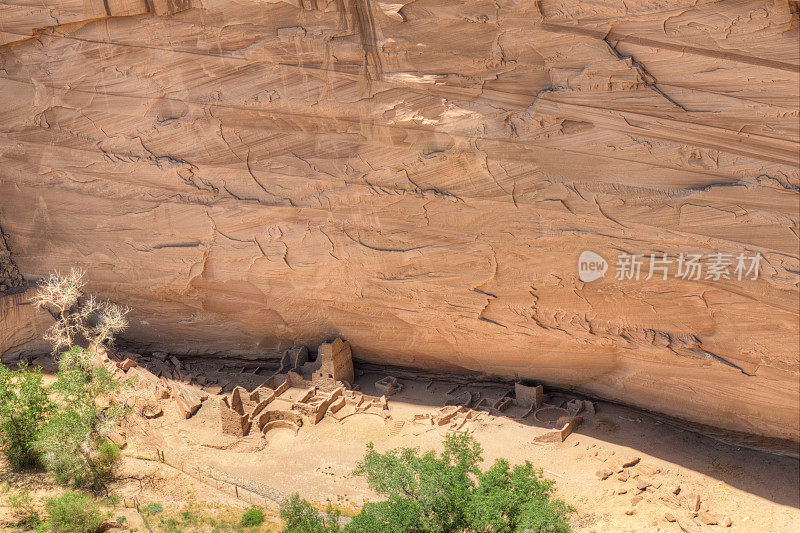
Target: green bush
(74, 441)
(68, 436)
(300, 517)
(252, 517)
(190, 519)
(24, 408)
(73, 512)
(170, 525)
(444, 494)
(153, 508)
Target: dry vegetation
(94, 321)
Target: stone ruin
(335, 363)
(304, 392)
(455, 417)
(530, 395)
(388, 385)
(524, 401)
(300, 392)
(243, 409)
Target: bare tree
(96, 321)
(100, 321)
(59, 294)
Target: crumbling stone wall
(10, 277)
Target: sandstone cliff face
(420, 178)
(21, 326)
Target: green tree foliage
(447, 493)
(300, 517)
(517, 499)
(74, 441)
(424, 493)
(24, 409)
(73, 512)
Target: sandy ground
(203, 469)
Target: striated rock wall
(420, 179)
(21, 327)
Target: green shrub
(189, 518)
(252, 517)
(74, 441)
(24, 408)
(73, 512)
(170, 525)
(443, 494)
(153, 508)
(68, 436)
(300, 517)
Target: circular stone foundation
(550, 415)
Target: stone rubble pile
(642, 481)
(10, 276)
